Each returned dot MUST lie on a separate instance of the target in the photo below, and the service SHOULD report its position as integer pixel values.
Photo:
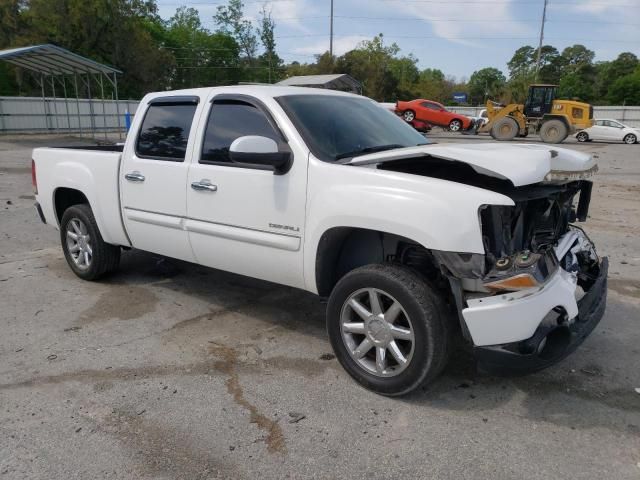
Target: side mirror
(257, 150)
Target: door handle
(204, 185)
(134, 177)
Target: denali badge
(284, 227)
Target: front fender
(437, 214)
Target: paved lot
(170, 370)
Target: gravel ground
(170, 370)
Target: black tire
(429, 323)
(409, 116)
(505, 128)
(455, 125)
(630, 139)
(582, 137)
(105, 257)
(553, 131)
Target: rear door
(154, 177)
(249, 220)
(597, 131)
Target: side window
(231, 119)
(165, 131)
(599, 123)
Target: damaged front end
(539, 288)
(543, 288)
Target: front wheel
(504, 129)
(88, 255)
(388, 328)
(582, 137)
(455, 125)
(409, 116)
(553, 131)
(630, 139)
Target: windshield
(336, 127)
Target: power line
(544, 16)
(371, 35)
(458, 20)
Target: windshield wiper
(363, 151)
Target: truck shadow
(579, 398)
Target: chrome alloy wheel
(79, 243)
(409, 116)
(377, 332)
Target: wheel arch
(65, 197)
(343, 249)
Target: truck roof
(258, 91)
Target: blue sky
(456, 36)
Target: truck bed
(92, 170)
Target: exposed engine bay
(524, 243)
(539, 287)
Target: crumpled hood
(522, 164)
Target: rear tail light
(34, 182)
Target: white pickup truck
(411, 242)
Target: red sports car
(433, 113)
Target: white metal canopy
(53, 60)
(58, 63)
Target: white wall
(32, 114)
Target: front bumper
(549, 344)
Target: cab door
(245, 218)
(154, 176)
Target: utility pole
(544, 17)
(331, 32)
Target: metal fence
(35, 114)
(627, 115)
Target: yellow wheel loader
(554, 120)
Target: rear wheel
(388, 328)
(582, 137)
(553, 131)
(88, 255)
(630, 139)
(455, 125)
(505, 128)
(409, 116)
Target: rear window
(165, 132)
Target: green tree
(202, 58)
(272, 63)
(230, 19)
(370, 63)
(432, 85)
(626, 90)
(486, 83)
(109, 31)
(577, 57)
(574, 86)
(406, 73)
(521, 62)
